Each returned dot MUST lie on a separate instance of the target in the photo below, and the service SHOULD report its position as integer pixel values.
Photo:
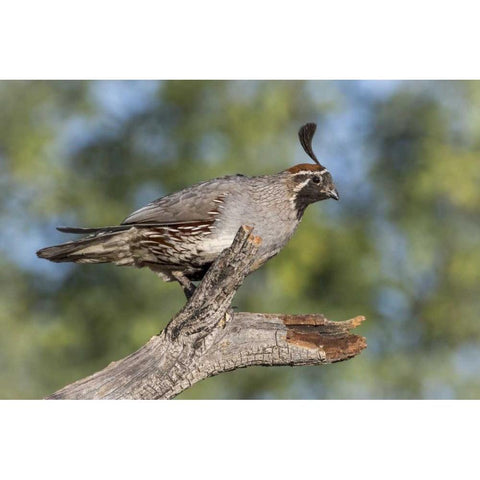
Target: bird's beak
(333, 194)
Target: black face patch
(315, 187)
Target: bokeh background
(401, 247)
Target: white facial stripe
(309, 172)
(298, 187)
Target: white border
(235, 439)
(251, 39)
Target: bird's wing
(199, 203)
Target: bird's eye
(316, 179)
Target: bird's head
(310, 182)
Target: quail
(179, 236)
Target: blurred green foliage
(401, 247)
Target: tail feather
(104, 247)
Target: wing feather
(192, 204)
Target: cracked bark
(207, 338)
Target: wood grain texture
(207, 338)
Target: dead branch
(206, 338)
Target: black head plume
(305, 134)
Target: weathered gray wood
(206, 338)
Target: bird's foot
(187, 285)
